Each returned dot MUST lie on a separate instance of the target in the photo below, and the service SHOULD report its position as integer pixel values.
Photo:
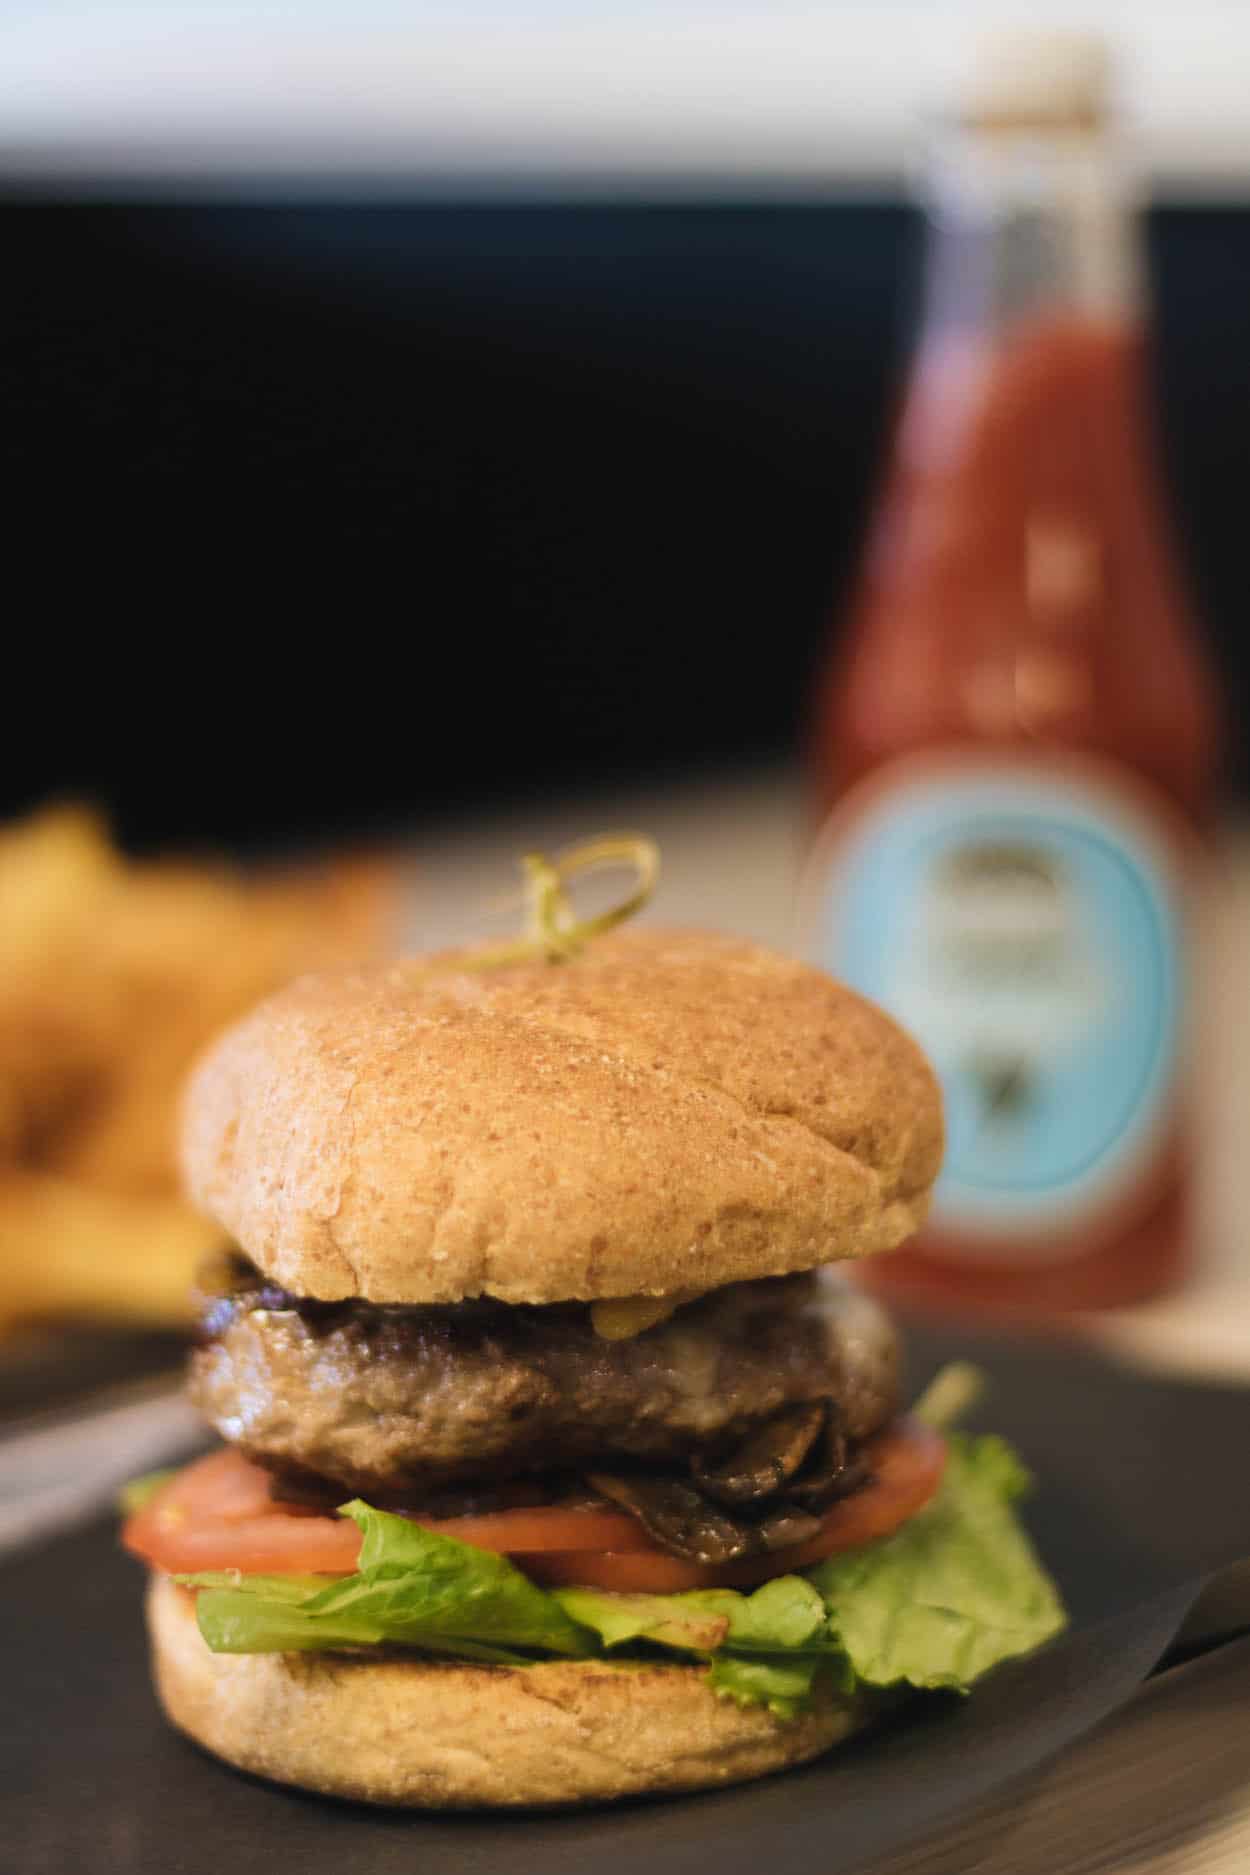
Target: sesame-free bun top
(667, 1111)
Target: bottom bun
(445, 1736)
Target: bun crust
(671, 1110)
(436, 1736)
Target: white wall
(822, 94)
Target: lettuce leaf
(952, 1593)
(413, 1588)
(241, 1621)
(676, 1621)
(785, 1613)
(782, 1682)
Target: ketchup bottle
(1017, 742)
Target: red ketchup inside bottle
(1016, 750)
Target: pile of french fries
(113, 975)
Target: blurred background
(437, 429)
(418, 408)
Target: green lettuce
(782, 1682)
(954, 1592)
(412, 1588)
(785, 1613)
(766, 1648)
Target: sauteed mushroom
(764, 1463)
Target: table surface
(1183, 1748)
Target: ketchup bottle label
(1024, 925)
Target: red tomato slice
(223, 1487)
(642, 1572)
(217, 1514)
(542, 1528)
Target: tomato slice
(641, 1572)
(907, 1464)
(218, 1514)
(541, 1528)
(223, 1487)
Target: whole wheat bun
(670, 1110)
(447, 1736)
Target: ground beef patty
(400, 1401)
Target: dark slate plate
(1142, 1496)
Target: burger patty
(403, 1402)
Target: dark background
(325, 516)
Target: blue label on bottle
(1025, 928)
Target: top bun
(669, 1111)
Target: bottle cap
(1024, 79)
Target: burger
(556, 1467)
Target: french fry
(69, 1249)
(113, 976)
